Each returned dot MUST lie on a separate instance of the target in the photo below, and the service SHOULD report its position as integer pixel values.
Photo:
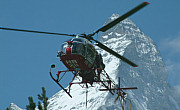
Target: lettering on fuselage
(72, 63)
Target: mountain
(150, 77)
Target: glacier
(150, 77)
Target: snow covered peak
(114, 16)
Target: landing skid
(59, 84)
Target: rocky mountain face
(150, 77)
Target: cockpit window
(78, 48)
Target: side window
(63, 48)
(91, 55)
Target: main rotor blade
(129, 88)
(114, 53)
(121, 18)
(3, 28)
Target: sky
(25, 58)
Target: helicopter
(81, 58)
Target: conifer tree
(31, 105)
(43, 98)
(40, 106)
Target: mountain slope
(150, 77)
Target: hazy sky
(25, 58)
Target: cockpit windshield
(78, 48)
